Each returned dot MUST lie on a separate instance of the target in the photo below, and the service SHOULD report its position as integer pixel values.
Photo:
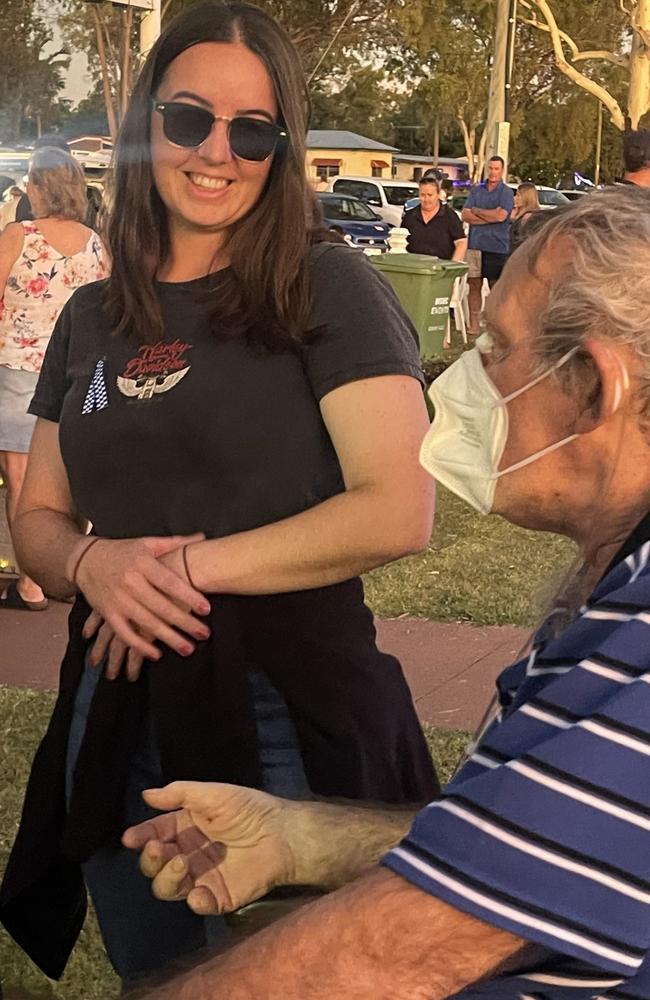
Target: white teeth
(214, 183)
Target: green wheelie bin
(423, 285)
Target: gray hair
(603, 289)
(61, 183)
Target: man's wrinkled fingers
(160, 828)
(173, 881)
(204, 903)
(155, 855)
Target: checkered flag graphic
(97, 395)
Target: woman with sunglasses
(238, 412)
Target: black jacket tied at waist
(350, 705)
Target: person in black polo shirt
(434, 228)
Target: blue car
(356, 220)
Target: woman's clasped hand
(137, 599)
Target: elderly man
(530, 876)
(434, 228)
(487, 211)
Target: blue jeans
(142, 934)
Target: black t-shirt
(437, 236)
(200, 433)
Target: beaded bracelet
(73, 578)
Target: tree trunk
(480, 157)
(497, 96)
(106, 85)
(469, 151)
(639, 92)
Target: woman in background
(526, 206)
(41, 264)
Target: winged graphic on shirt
(147, 385)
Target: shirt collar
(634, 541)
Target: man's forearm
(380, 937)
(335, 843)
(487, 215)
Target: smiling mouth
(209, 183)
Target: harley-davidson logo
(156, 369)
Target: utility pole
(149, 29)
(599, 144)
(497, 125)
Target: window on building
(417, 173)
(323, 173)
(378, 166)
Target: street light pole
(497, 125)
(149, 29)
(599, 144)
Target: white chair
(459, 303)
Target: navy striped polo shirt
(545, 831)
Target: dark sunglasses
(189, 126)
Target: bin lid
(418, 263)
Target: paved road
(450, 668)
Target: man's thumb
(177, 795)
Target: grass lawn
(23, 717)
(476, 569)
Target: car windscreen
(399, 195)
(336, 209)
(552, 198)
(359, 210)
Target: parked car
(576, 194)
(388, 197)
(453, 199)
(549, 198)
(356, 220)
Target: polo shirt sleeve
(471, 198)
(549, 837)
(357, 328)
(54, 382)
(456, 230)
(507, 199)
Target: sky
(77, 81)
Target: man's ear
(613, 383)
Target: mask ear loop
(580, 566)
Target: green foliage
(29, 81)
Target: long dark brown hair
(266, 292)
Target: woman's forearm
(334, 541)
(47, 543)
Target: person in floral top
(41, 264)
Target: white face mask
(466, 441)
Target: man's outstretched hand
(222, 847)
